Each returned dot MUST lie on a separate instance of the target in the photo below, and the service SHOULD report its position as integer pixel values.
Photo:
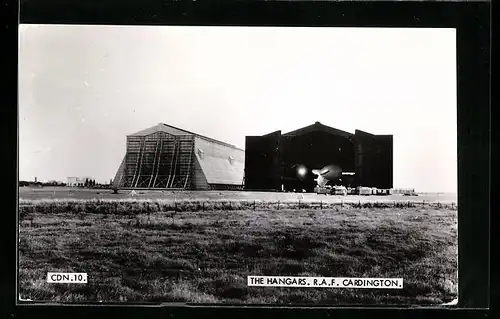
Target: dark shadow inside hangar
(272, 160)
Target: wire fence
(129, 207)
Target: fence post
(203, 206)
(254, 204)
(321, 204)
(299, 203)
(278, 205)
(341, 203)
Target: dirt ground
(81, 193)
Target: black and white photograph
(224, 165)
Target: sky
(82, 89)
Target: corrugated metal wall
(220, 164)
(198, 179)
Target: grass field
(150, 251)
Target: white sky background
(82, 89)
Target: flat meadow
(153, 250)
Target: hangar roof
(161, 128)
(319, 127)
(172, 130)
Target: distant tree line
(88, 183)
(40, 184)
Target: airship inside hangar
(318, 155)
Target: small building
(77, 181)
(402, 191)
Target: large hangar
(288, 161)
(167, 157)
